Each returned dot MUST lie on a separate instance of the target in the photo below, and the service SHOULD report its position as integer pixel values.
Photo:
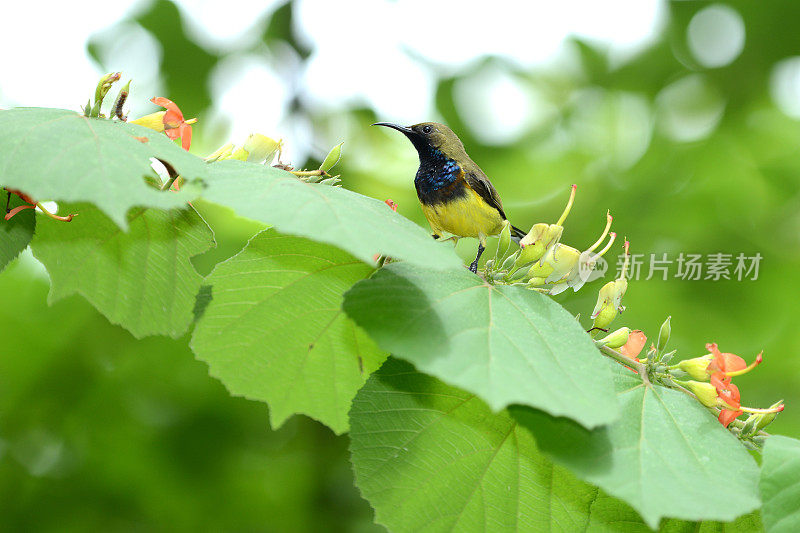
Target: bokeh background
(682, 118)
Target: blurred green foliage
(103, 432)
(98, 431)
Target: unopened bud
(259, 147)
(609, 303)
(332, 158)
(540, 240)
(505, 240)
(105, 84)
(153, 121)
(532, 245)
(119, 102)
(240, 154)
(663, 334)
(222, 153)
(511, 260)
(616, 339)
(539, 270)
(332, 181)
(697, 367)
(766, 419)
(563, 259)
(706, 392)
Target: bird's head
(428, 137)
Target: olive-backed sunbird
(455, 194)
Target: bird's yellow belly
(469, 216)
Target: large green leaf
(506, 344)
(54, 154)
(15, 234)
(430, 457)
(780, 485)
(274, 330)
(141, 279)
(355, 223)
(666, 456)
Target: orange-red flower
(716, 362)
(728, 363)
(633, 347)
(170, 121)
(730, 406)
(174, 124)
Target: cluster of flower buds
(256, 149)
(263, 150)
(100, 92)
(542, 262)
(712, 375)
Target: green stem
(167, 184)
(308, 172)
(621, 359)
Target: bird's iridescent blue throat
(436, 178)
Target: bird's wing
(481, 185)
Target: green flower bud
(332, 158)
(330, 181)
(751, 424)
(616, 339)
(119, 102)
(504, 241)
(706, 392)
(510, 261)
(239, 154)
(609, 302)
(697, 367)
(766, 419)
(222, 153)
(563, 259)
(539, 270)
(103, 86)
(260, 147)
(663, 334)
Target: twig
(627, 361)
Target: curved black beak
(403, 129)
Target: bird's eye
(426, 129)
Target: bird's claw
(474, 267)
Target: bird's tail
(517, 234)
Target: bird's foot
(474, 267)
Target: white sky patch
(43, 50)
(362, 45)
(247, 92)
(365, 52)
(226, 25)
(134, 51)
(785, 86)
(497, 108)
(716, 36)
(689, 109)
